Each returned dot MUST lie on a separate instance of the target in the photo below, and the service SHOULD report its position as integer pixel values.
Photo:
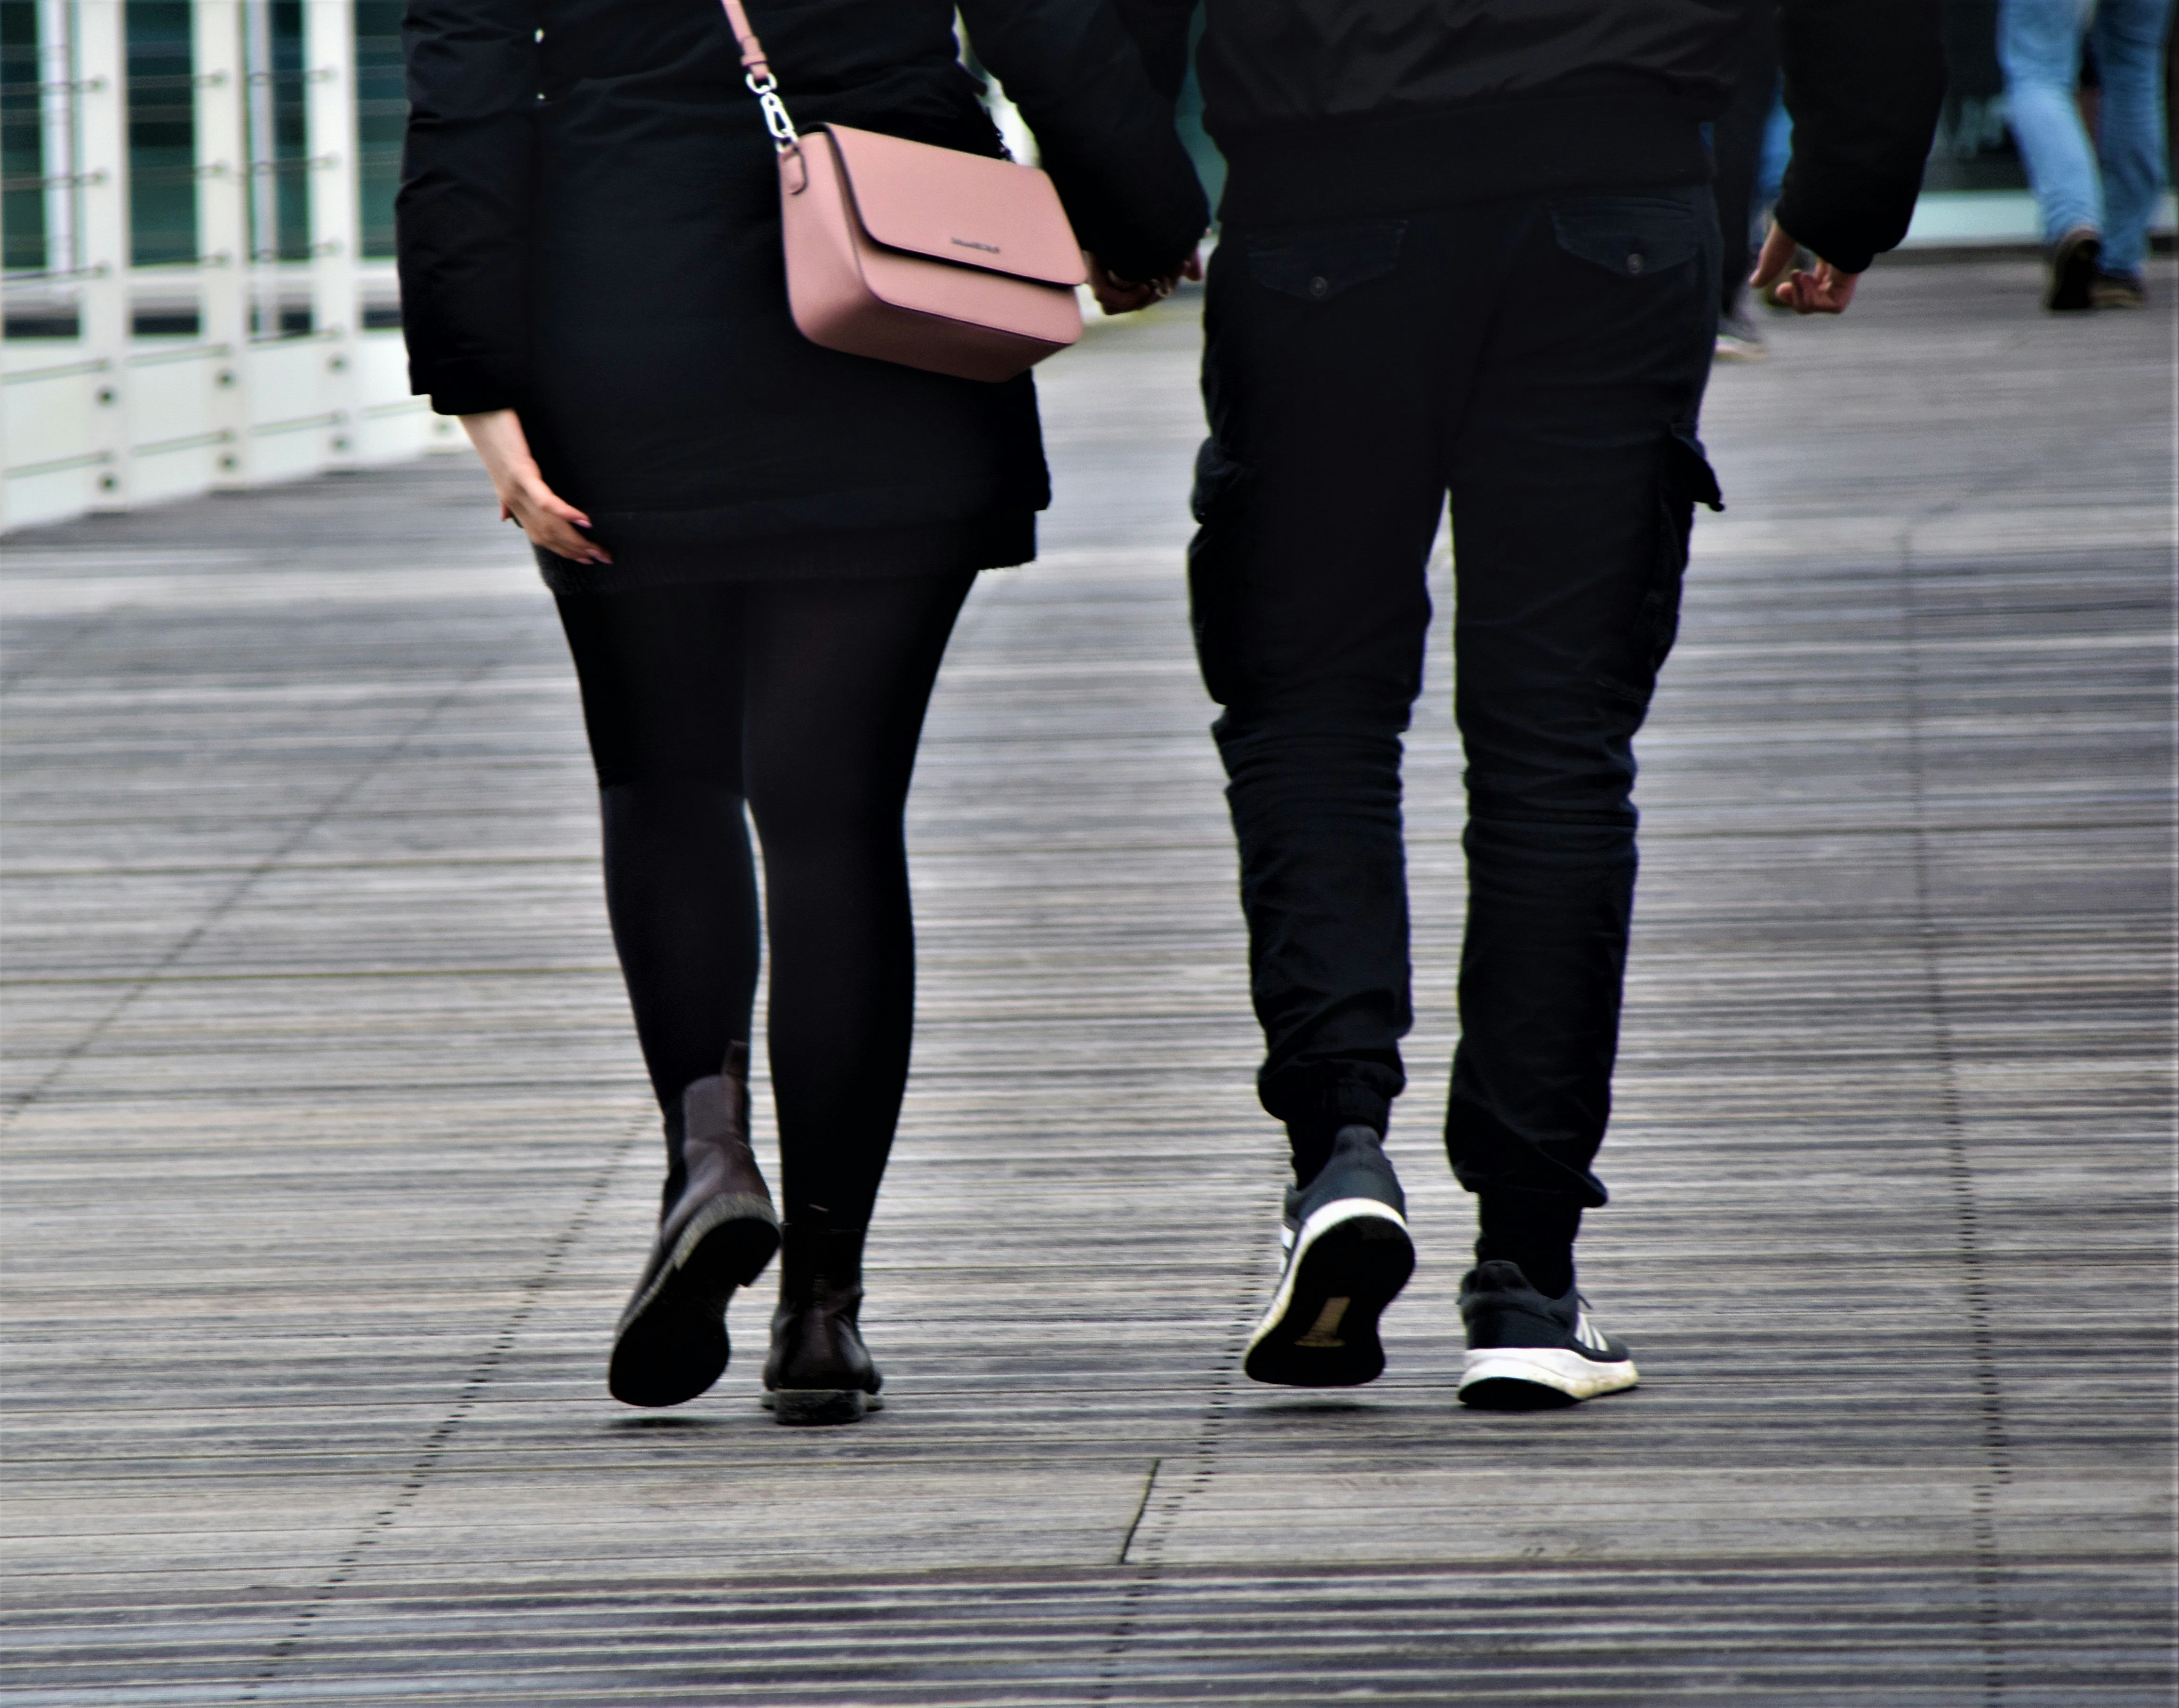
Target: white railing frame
(106, 418)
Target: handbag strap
(757, 73)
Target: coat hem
(997, 541)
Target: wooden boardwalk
(327, 1158)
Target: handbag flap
(957, 207)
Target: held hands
(1826, 291)
(548, 519)
(1119, 296)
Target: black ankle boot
(717, 1233)
(819, 1372)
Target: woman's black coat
(590, 233)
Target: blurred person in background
(1738, 139)
(1776, 151)
(2095, 199)
(758, 547)
(1770, 178)
(1472, 248)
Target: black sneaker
(1526, 1352)
(2073, 271)
(1348, 1257)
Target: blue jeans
(1542, 358)
(2038, 43)
(1777, 149)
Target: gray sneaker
(1740, 340)
(1348, 1257)
(2117, 290)
(1526, 1352)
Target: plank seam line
(1959, 1171)
(1203, 1462)
(1141, 1506)
(429, 1457)
(38, 666)
(242, 887)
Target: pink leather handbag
(926, 256)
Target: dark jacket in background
(589, 229)
(1326, 108)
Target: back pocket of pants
(1322, 261)
(1634, 236)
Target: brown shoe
(2117, 290)
(819, 1372)
(718, 1232)
(2072, 265)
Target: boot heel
(819, 1372)
(807, 1406)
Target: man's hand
(1826, 291)
(547, 518)
(1120, 296)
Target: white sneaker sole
(1350, 1260)
(1552, 1367)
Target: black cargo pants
(1542, 359)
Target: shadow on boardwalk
(327, 1157)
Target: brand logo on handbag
(971, 243)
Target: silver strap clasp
(765, 88)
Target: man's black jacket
(1330, 108)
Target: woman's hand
(547, 518)
(1119, 296)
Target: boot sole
(671, 1344)
(803, 1408)
(1350, 1261)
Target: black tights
(805, 699)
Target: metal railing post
(58, 77)
(336, 213)
(260, 107)
(223, 191)
(102, 172)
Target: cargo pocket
(1217, 588)
(1218, 475)
(1684, 479)
(1324, 261)
(1634, 236)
